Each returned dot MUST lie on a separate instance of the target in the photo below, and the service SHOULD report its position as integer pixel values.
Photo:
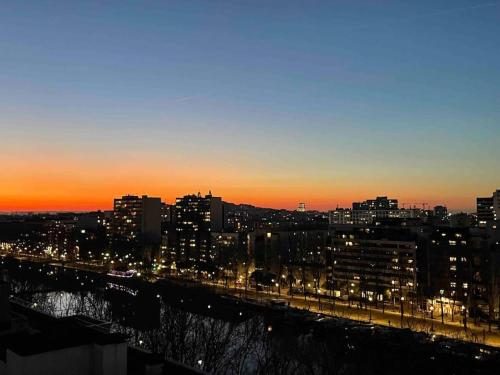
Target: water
(220, 336)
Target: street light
(464, 310)
(370, 308)
(401, 303)
(432, 317)
(442, 300)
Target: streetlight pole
(370, 309)
(432, 317)
(441, 300)
(401, 301)
(464, 309)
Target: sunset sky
(270, 103)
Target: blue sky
(318, 97)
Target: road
(417, 322)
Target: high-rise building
(496, 204)
(167, 213)
(485, 211)
(379, 203)
(448, 266)
(197, 217)
(488, 208)
(379, 267)
(302, 207)
(137, 219)
(374, 210)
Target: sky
(270, 103)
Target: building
(228, 250)
(340, 216)
(292, 258)
(379, 203)
(35, 343)
(458, 270)
(302, 207)
(440, 213)
(167, 213)
(363, 264)
(450, 259)
(485, 212)
(496, 204)
(137, 219)
(196, 218)
(488, 209)
(372, 216)
(461, 220)
(373, 211)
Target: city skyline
(249, 187)
(299, 206)
(269, 104)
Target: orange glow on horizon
(76, 182)
(258, 197)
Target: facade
(485, 272)
(226, 250)
(450, 260)
(369, 217)
(379, 203)
(91, 220)
(196, 218)
(340, 216)
(496, 205)
(238, 221)
(167, 213)
(292, 258)
(372, 211)
(488, 209)
(440, 213)
(137, 219)
(485, 212)
(459, 269)
(365, 266)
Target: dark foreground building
(35, 343)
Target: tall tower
(496, 204)
(137, 218)
(197, 217)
